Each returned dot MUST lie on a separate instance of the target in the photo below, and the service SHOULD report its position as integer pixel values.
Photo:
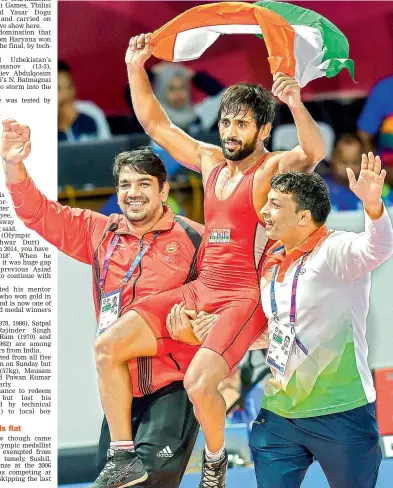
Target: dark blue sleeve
(84, 125)
(111, 206)
(374, 110)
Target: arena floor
(245, 477)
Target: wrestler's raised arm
(312, 148)
(186, 150)
(73, 231)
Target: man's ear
(165, 192)
(264, 131)
(305, 217)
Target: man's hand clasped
(187, 326)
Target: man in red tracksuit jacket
(144, 251)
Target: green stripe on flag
(335, 66)
(334, 42)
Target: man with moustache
(319, 402)
(144, 250)
(236, 180)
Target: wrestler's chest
(225, 185)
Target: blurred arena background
(93, 37)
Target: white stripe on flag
(191, 44)
(309, 53)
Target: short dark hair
(143, 161)
(350, 138)
(308, 190)
(63, 66)
(242, 97)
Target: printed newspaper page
(28, 274)
(36, 311)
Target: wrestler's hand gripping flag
(300, 42)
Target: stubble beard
(243, 152)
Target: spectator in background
(172, 85)
(375, 124)
(77, 120)
(348, 154)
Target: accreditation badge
(280, 347)
(109, 310)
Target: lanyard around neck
(292, 313)
(134, 264)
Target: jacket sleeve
(71, 230)
(352, 255)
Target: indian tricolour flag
(300, 42)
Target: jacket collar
(276, 255)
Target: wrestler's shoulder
(271, 164)
(211, 156)
(273, 160)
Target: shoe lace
(109, 465)
(211, 477)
